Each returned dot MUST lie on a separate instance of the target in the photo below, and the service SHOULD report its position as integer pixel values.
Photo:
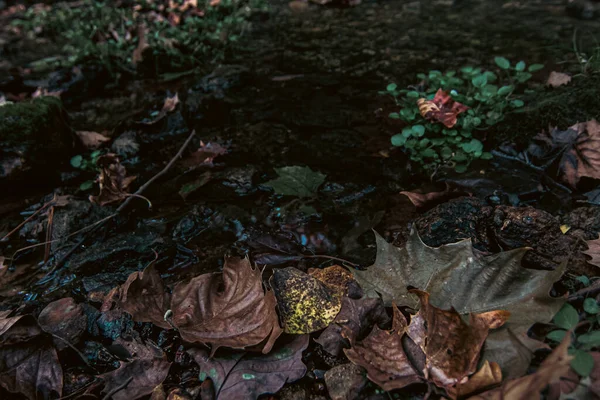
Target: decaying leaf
(488, 375)
(422, 200)
(457, 275)
(143, 296)
(356, 318)
(296, 181)
(241, 376)
(442, 108)
(28, 360)
(91, 140)
(169, 106)
(451, 347)
(135, 379)
(557, 79)
(227, 309)
(305, 303)
(204, 155)
(593, 251)
(113, 180)
(530, 386)
(65, 319)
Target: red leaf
(442, 108)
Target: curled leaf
(442, 108)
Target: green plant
(100, 31)
(87, 163)
(489, 96)
(568, 319)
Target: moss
(561, 107)
(28, 120)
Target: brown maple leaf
(582, 158)
(442, 108)
(227, 309)
(450, 347)
(113, 180)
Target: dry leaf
(488, 375)
(204, 155)
(582, 158)
(169, 106)
(422, 200)
(138, 53)
(92, 140)
(227, 309)
(529, 387)
(64, 318)
(557, 79)
(142, 375)
(114, 184)
(593, 251)
(442, 108)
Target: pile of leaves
(459, 322)
(163, 36)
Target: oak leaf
(442, 108)
(227, 309)
(241, 376)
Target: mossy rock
(561, 107)
(35, 138)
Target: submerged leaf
(296, 181)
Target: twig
(128, 200)
(83, 358)
(39, 210)
(122, 386)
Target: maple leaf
(450, 346)
(296, 181)
(113, 180)
(241, 376)
(551, 370)
(307, 303)
(457, 275)
(442, 108)
(239, 315)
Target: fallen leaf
(551, 370)
(423, 200)
(169, 106)
(143, 296)
(296, 181)
(593, 251)
(442, 108)
(227, 309)
(356, 318)
(457, 275)
(138, 53)
(345, 381)
(113, 180)
(91, 140)
(335, 277)
(451, 347)
(204, 155)
(582, 157)
(135, 379)
(28, 360)
(65, 319)
(557, 79)
(194, 185)
(305, 303)
(488, 375)
(242, 376)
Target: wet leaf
(356, 318)
(143, 296)
(551, 370)
(305, 303)
(450, 345)
(425, 200)
(28, 360)
(241, 376)
(557, 79)
(227, 309)
(204, 156)
(91, 140)
(442, 108)
(456, 275)
(65, 319)
(296, 181)
(113, 180)
(138, 378)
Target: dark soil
(300, 89)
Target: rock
(345, 381)
(35, 138)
